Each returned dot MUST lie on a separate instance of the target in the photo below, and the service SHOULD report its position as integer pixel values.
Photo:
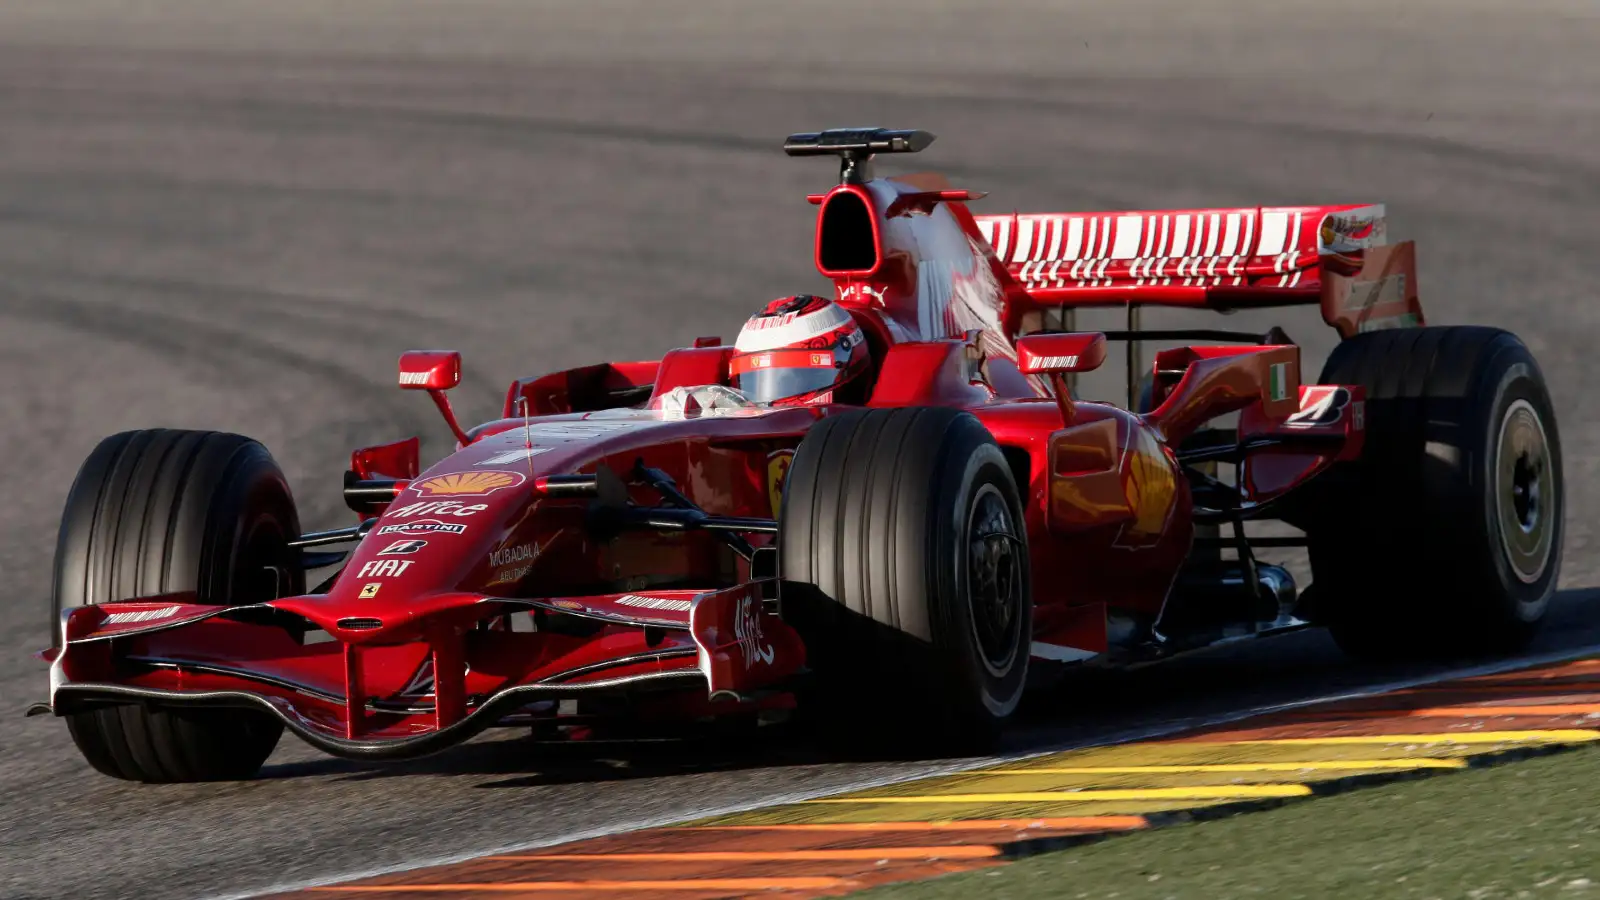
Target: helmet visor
(770, 385)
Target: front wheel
(164, 511)
(905, 565)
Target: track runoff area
(993, 812)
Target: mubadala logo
(438, 508)
(517, 554)
(424, 526)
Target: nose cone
(427, 543)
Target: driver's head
(799, 350)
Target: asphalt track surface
(233, 215)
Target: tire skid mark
(220, 349)
(247, 304)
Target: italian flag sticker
(1278, 378)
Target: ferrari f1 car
(665, 541)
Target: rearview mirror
(430, 370)
(1051, 354)
(434, 371)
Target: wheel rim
(1524, 490)
(994, 579)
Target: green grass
(1525, 829)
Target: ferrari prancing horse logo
(777, 473)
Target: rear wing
(1335, 256)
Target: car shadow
(1085, 706)
(528, 762)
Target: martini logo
(777, 473)
(468, 484)
(423, 526)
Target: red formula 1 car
(886, 505)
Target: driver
(800, 350)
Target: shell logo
(468, 484)
(1152, 489)
(777, 472)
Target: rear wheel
(905, 561)
(163, 511)
(1445, 538)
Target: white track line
(1123, 737)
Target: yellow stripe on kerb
(1324, 765)
(797, 883)
(948, 851)
(1229, 792)
(1553, 736)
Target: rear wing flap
(1335, 256)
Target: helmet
(799, 350)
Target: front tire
(905, 563)
(1445, 538)
(163, 511)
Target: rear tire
(905, 563)
(1445, 537)
(163, 511)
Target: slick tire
(1445, 538)
(905, 565)
(163, 511)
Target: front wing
(465, 668)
